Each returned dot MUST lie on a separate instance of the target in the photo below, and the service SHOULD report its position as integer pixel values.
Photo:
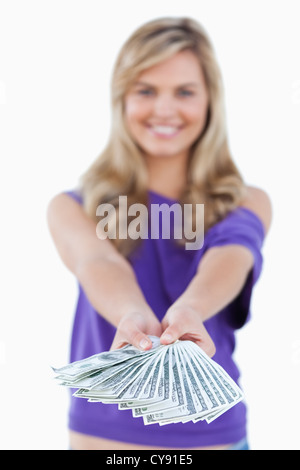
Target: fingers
(186, 324)
(135, 337)
(133, 330)
(207, 345)
(170, 335)
(177, 324)
(140, 341)
(201, 338)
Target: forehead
(183, 67)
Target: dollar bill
(166, 384)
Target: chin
(163, 152)
(157, 155)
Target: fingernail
(168, 338)
(144, 343)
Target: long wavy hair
(212, 176)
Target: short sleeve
(76, 195)
(241, 227)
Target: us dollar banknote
(166, 384)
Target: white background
(56, 58)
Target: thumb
(139, 340)
(170, 335)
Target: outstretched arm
(220, 277)
(105, 275)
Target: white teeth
(167, 130)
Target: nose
(164, 106)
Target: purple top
(163, 271)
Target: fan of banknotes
(166, 384)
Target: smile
(164, 131)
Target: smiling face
(166, 107)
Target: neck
(167, 175)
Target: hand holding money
(134, 328)
(166, 384)
(179, 322)
(183, 322)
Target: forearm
(112, 288)
(106, 277)
(219, 279)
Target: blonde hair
(212, 178)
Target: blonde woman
(168, 144)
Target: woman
(168, 144)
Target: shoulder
(258, 201)
(63, 209)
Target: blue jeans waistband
(241, 445)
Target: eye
(145, 92)
(185, 93)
